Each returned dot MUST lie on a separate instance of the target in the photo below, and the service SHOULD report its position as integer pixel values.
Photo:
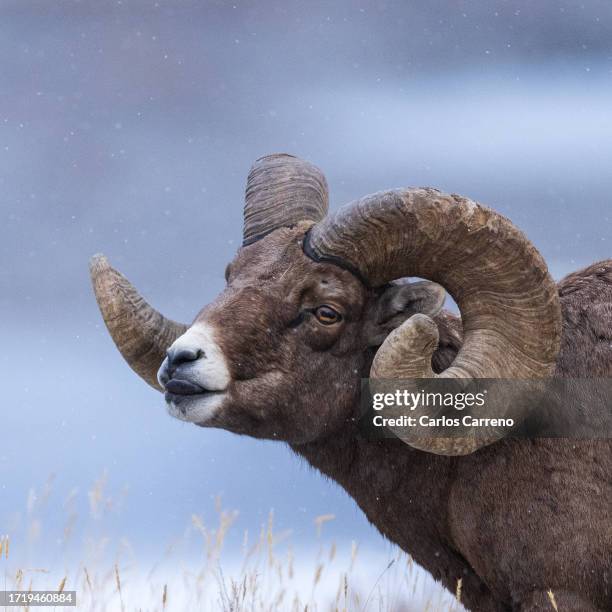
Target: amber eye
(327, 315)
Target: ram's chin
(198, 409)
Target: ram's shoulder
(586, 298)
(586, 304)
(594, 280)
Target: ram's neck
(403, 492)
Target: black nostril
(178, 356)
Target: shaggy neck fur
(394, 473)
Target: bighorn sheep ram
(312, 306)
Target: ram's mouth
(191, 402)
(178, 389)
(182, 397)
(180, 386)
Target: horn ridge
(281, 191)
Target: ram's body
(512, 516)
(313, 305)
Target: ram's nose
(194, 363)
(177, 356)
(180, 355)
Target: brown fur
(512, 520)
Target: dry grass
(264, 576)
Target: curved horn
(281, 191)
(508, 301)
(141, 334)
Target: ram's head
(313, 303)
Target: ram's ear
(398, 302)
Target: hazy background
(129, 128)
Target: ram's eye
(327, 315)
